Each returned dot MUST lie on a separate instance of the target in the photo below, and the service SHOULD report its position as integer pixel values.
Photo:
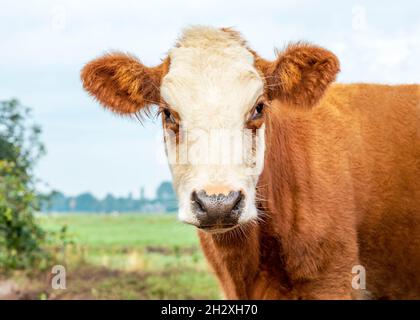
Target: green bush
(21, 239)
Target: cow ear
(300, 74)
(122, 83)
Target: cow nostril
(238, 203)
(195, 199)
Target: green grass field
(129, 256)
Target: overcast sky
(44, 44)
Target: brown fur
(300, 74)
(121, 83)
(340, 186)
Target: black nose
(217, 210)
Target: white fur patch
(212, 84)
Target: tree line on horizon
(164, 201)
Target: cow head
(214, 95)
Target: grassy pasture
(129, 256)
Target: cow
(324, 200)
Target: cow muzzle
(217, 212)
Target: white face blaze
(212, 85)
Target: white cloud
(378, 56)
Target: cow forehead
(211, 79)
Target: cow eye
(168, 117)
(258, 111)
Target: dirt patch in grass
(92, 282)
(9, 290)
